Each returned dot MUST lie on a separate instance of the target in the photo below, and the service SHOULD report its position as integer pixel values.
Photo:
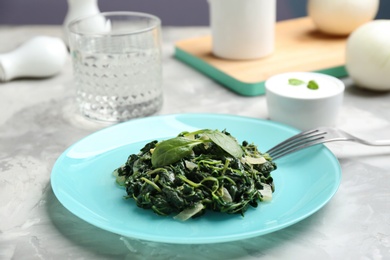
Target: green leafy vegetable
(295, 82)
(195, 172)
(172, 150)
(226, 142)
(312, 85)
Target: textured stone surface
(38, 121)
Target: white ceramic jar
(242, 29)
(78, 9)
(301, 106)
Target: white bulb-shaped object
(78, 9)
(341, 17)
(368, 55)
(41, 56)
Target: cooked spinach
(195, 172)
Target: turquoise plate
(82, 181)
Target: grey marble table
(38, 122)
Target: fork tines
(297, 142)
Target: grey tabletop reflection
(38, 121)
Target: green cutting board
(299, 46)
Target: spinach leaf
(312, 85)
(226, 142)
(173, 150)
(295, 82)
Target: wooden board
(298, 47)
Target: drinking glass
(117, 65)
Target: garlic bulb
(341, 17)
(368, 55)
(41, 56)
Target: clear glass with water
(117, 64)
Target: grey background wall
(171, 12)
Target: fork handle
(376, 143)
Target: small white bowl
(301, 107)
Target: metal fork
(317, 136)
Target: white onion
(255, 160)
(266, 192)
(368, 55)
(341, 17)
(189, 212)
